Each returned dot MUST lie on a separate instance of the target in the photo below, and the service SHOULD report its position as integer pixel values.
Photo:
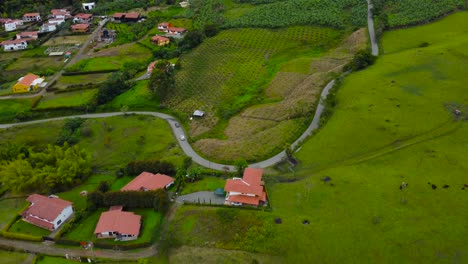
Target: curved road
(370, 25)
(188, 150)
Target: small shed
(198, 113)
(219, 191)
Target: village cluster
(50, 212)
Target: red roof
(59, 11)
(80, 26)
(15, 41)
(27, 81)
(31, 14)
(83, 16)
(118, 15)
(132, 15)
(174, 29)
(252, 200)
(241, 186)
(148, 181)
(39, 222)
(28, 33)
(159, 39)
(45, 207)
(250, 188)
(253, 176)
(126, 223)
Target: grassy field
(8, 257)
(283, 105)
(113, 142)
(9, 208)
(205, 184)
(26, 228)
(64, 81)
(24, 65)
(71, 99)
(138, 97)
(65, 40)
(84, 230)
(393, 123)
(10, 107)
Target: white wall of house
(88, 6)
(48, 27)
(57, 21)
(32, 18)
(18, 46)
(10, 26)
(64, 215)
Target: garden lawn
(9, 208)
(10, 107)
(11, 257)
(138, 97)
(84, 229)
(64, 81)
(120, 183)
(205, 184)
(71, 99)
(26, 228)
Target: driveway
(201, 197)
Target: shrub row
(12, 222)
(65, 73)
(75, 88)
(261, 208)
(103, 245)
(62, 108)
(20, 236)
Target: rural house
(12, 24)
(248, 190)
(83, 18)
(47, 212)
(164, 26)
(160, 40)
(119, 224)
(31, 17)
(27, 83)
(28, 35)
(58, 21)
(17, 44)
(176, 31)
(126, 17)
(151, 67)
(88, 6)
(80, 28)
(60, 14)
(48, 27)
(147, 181)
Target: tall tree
(162, 79)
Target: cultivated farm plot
(71, 99)
(67, 40)
(24, 65)
(65, 81)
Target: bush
(136, 167)
(20, 236)
(362, 59)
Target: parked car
(182, 137)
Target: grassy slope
(8, 257)
(137, 98)
(26, 228)
(9, 108)
(71, 99)
(9, 208)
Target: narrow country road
(184, 144)
(370, 25)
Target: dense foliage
(70, 132)
(162, 79)
(206, 12)
(408, 12)
(136, 167)
(116, 84)
(51, 169)
(159, 199)
(336, 14)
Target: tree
(210, 30)
(241, 164)
(103, 186)
(362, 59)
(180, 178)
(162, 79)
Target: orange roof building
(119, 224)
(80, 28)
(126, 17)
(248, 190)
(160, 40)
(147, 181)
(27, 83)
(47, 212)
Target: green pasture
(205, 184)
(10, 107)
(28, 64)
(138, 97)
(71, 99)
(65, 81)
(9, 207)
(29, 229)
(84, 229)
(120, 183)
(12, 257)
(63, 260)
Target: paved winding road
(370, 25)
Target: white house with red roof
(60, 13)
(28, 35)
(119, 224)
(47, 212)
(248, 190)
(31, 17)
(83, 18)
(16, 44)
(12, 24)
(163, 26)
(176, 31)
(147, 181)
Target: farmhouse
(28, 35)
(126, 17)
(88, 6)
(176, 31)
(83, 18)
(160, 40)
(119, 224)
(31, 17)
(60, 13)
(57, 21)
(17, 44)
(151, 67)
(164, 26)
(184, 4)
(47, 212)
(80, 28)
(29, 82)
(48, 27)
(11, 24)
(147, 181)
(248, 190)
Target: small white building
(48, 27)
(198, 113)
(31, 17)
(17, 44)
(28, 35)
(58, 21)
(12, 24)
(88, 6)
(60, 13)
(47, 212)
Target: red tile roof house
(17, 44)
(248, 190)
(176, 31)
(60, 13)
(47, 212)
(126, 17)
(147, 181)
(164, 26)
(80, 28)
(29, 17)
(28, 35)
(83, 18)
(160, 40)
(116, 223)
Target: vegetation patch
(26, 228)
(71, 99)
(138, 97)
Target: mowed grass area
(84, 230)
(9, 207)
(10, 107)
(205, 184)
(113, 142)
(26, 228)
(138, 97)
(65, 81)
(71, 99)
(9, 257)
(361, 215)
(24, 65)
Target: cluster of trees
(162, 79)
(338, 14)
(407, 12)
(159, 199)
(108, 6)
(70, 132)
(136, 167)
(52, 169)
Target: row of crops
(338, 14)
(408, 12)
